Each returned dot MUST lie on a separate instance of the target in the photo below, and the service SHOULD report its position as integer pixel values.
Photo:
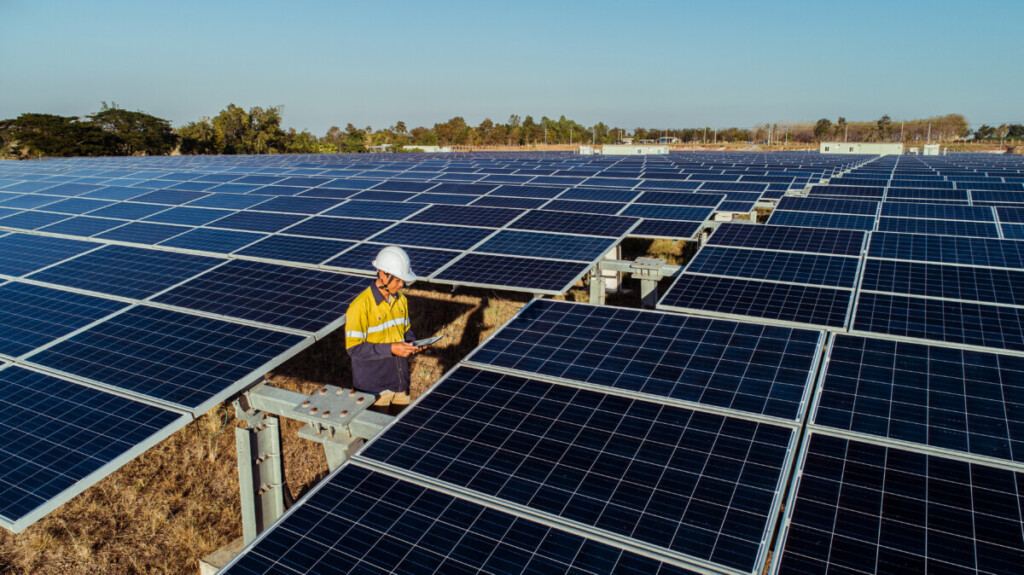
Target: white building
(428, 149)
(879, 148)
(630, 150)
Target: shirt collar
(377, 296)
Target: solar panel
(467, 216)
(303, 299)
(946, 282)
(24, 253)
(424, 261)
(529, 274)
(826, 205)
(432, 236)
(296, 205)
(527, 191)
(508, 202)
(76, 206)
(863, 508)
(678, 199)
(744, 367)
(225, 201)
(378, 210)
(544, 245)
(964, 323)
(944, 398)
(211, 240)
(31, 315)
(825, 270)
(586, 207)
(681, 213)
(671, 229)
(295, 249)
(257, 221)
(837, 242)
(939, 227)
(363, 520)
(128, 211)
(28, 201)
(951, 250)
(60, 438)
(144, 233)
(170, 197)
(598, 194)
(700, 486)
(125, 271)
(188, 361)
(938, 211)
(810, 305)
(338, 228)
(822, 220)
(574, 223)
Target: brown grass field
(164, 511)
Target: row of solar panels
(594, 439)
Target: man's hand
(403, 349)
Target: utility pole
(545, 135)
(846, 131)
(901, 130)
(929, 132)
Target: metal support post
(597, 287)
(648, 271)
(260, 474)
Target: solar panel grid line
(555, 278)
(997, 286)
(16, 242)
(520, 422)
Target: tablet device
(427, 341)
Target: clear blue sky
(657, 63)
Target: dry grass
(164, 511)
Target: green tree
(355, 140)
(822, 129)
(33, 135)
(137, 132)
(199, 137)
(884, 127)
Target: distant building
(879, 148)
(630, 150)
(669, 140)
(428, 149)
(932, 149)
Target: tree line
(113, 131)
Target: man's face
(393, 285)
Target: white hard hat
(393, 260)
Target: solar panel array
(634, 435)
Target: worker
(377, 333)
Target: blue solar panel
(144, 233)
(59, 438)
(744, 367)
(863, 508)
(598, 195)
(170, 197)
(938, 211)
(927, 395)
(527, 191)
(126, 271)
(945, 281)
(30, 220)
(303, 299)
(680, 199)
(424, 261)
(226, 201)
(964, 323)
(925, 194)
(669, 185)
(28, 201)
(193, 186)
(432, 236)
(187, 216)
(24, 253)
(328, 192)
(31, 316)
(378, 210)
(68, 189)
(256, 221)
(508, 202)
(733, 187)
(542, 245)
(296, 205)
(938, 227)
(400, 186)
(820, 306)
(847, 191)
(530, 274)
(128, 211)
(586, 207)
(338, 228)
(827, 205)
(295, 249)
(84, 226)
(467, 216)
(694, 484)
(77, 206)
(470, 189)
(574, 223)
(822, 220)
(275, 190)
(178, 358)
(836, 271)
(404, 528)
(838, 242)
(681, 213)
(115, 193)
(210, 240)
(384, 196)
(671, 229)
(951, 250)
